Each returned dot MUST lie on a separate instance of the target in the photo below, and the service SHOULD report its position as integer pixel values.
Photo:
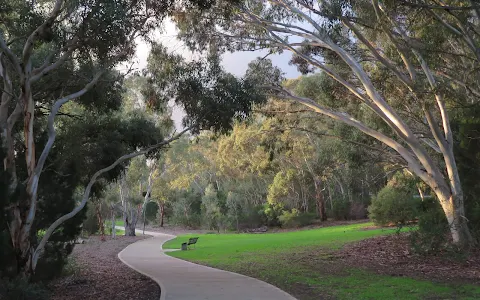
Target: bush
(394, 205)
(192, 221)
(21, 289)
(288, 219)
(51, 264)
(90, 224)
(341, 209)
(272, 212)
(473, 215)
(432, 228)
(253, 217)
(151, 210)
(296, 219)
(357, 211)
(306, 219)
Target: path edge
(159, 283)
(238, 274)
(162, 287)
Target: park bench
(191, 241)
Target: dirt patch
(99, 274)
(392, 255)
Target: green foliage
(52, 263)
(211, 98)
(394, 205)
(90, 224)
(294, 218)
(151, 210)
(280, 187)
(432, 229)
(271, 213)
(341, 209)
(213, 209)
(186, 210)
(21, 289)
(466, 122)
(288, 218)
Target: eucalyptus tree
(52, 54)
(404, 61)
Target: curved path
(182, 280)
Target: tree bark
(455, 213)
(162, 213)
(320, 200)
(130, 229)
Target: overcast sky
(235, 63)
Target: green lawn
(118, 222)
(302, 263)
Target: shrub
(357, 211)
(473, 215)
(432, 228)
(21, 289)
(151, 210)
(90, 224)
(253, 217)
(194, 220)
(305, 219)
(394, 205)
(295, 218)
(52, 262)
(288, 219)
(341, 209)
(272, 212)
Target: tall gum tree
(41, 42)
(403, 60)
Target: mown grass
(302, 264)
(118, 222)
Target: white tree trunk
(455, 213)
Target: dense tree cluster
(387, 109)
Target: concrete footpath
(182, 280)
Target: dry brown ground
(392, 255)
(101, 275)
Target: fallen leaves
(392, 255)
(101, 275)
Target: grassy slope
(301, 263)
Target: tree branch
(35, 178)
(51, 229)
(28, 47)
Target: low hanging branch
(39, 250)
